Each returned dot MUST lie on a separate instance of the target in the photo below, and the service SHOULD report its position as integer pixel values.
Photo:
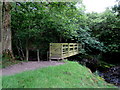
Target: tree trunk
(60, 39)
(6, 30)
(21, 49)
(1, 4)
(6, 44)
(38, 55)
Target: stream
(111, 75)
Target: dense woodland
(36, 24)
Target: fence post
(50, 52)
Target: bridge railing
(63, 50)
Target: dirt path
(25, 66)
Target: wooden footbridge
(63, 50)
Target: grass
(69, 75)
(6, 62)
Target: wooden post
(77, 48)
(27, 53)
(47, 55)
(38, 55)
(27, 50)
(68, 49)
(61, 50)
(50, 52)
(73, 48)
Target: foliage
(41, 23)
(69, 75)
(88, 41)
(36, 24)
(105, 27)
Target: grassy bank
(6, 62)
(69, 75)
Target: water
(111, 75)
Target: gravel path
(25, 66)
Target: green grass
(69, 75)
(6, 62)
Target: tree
(38, 24)
(1, 29)
(105, 27)
(6, 30)
(35, 25)
(116, 8)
